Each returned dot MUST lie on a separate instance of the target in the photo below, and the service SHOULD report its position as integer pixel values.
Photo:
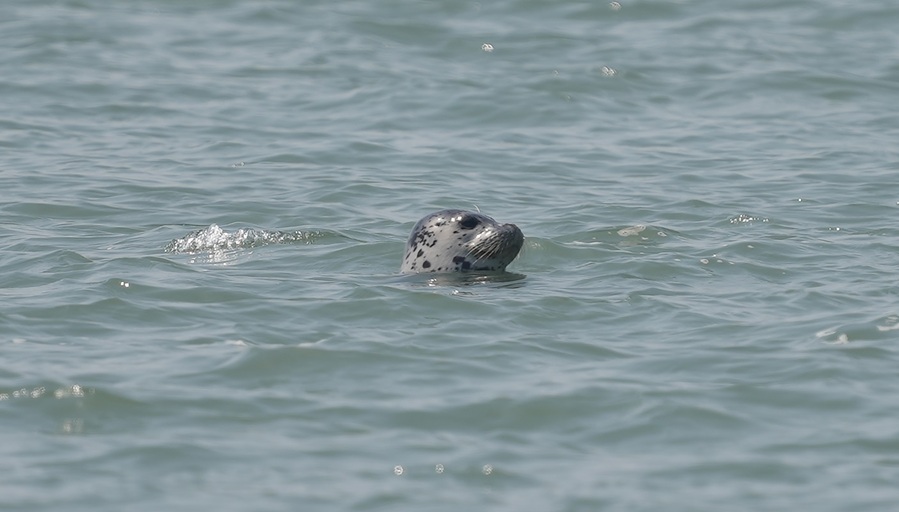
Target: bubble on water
(439, 469)
(615, 6)
(744, 218)
(487, 47)
(487, 469)
(75, 391)
(73, 426)
(29, 393)
(831, 337)
(398, 470)
(631, 231)
(891, 324)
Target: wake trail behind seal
(220, 245)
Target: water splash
(216, 245)
(870, 330)
(744, 218)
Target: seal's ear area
(469, 222)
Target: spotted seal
(459, 240)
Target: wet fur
(460, 241)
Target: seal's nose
(517, 237)
(514, 229)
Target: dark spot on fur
(458, 259)
(426, 264)
(466, 265)
(420, 252)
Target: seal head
(459, 241)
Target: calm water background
(709, 315)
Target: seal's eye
(469, 222)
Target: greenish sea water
(203, 209)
